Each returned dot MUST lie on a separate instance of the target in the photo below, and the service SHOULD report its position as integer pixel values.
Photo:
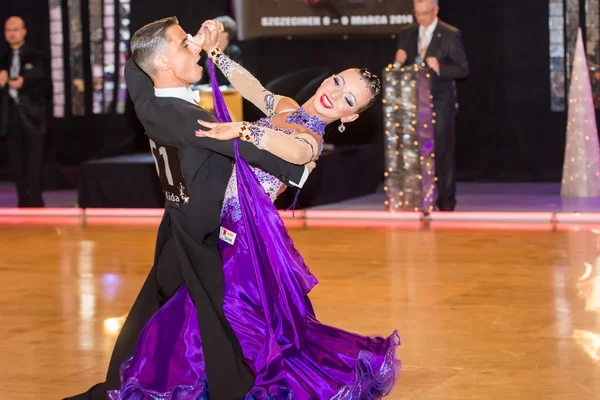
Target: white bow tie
(195, 95)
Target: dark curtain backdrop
(505, 129)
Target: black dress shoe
(96, 392)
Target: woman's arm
(296, 147)
(242, 80)
(245, 83)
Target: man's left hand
(220, 131)
(16, 83)
(433, 63)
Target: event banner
(300, 18)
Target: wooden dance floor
(483, 314)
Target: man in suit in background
(440, 46)
(25, 89)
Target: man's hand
(220, 131)
(3, 78)
(434, 64)
(401, 56)
(16, 83)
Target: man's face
(183, 56)
(425, 12)
(14, 31)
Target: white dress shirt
(15, 67)
(193, 96)
(428, 32)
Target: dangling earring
(341, 128)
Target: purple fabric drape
(221, 111)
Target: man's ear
(161, 63)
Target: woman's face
(342, 95)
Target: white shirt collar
(429, 30)
(183, 93)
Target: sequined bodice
(270, 184)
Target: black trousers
(159, 286)
(445, 149)
(228, 375)
(26, 154)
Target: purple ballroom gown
(293, 355)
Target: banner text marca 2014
(354, 20)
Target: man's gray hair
(150, 40)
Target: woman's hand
(219, 131)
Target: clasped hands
(208, 35)
(13, 83)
